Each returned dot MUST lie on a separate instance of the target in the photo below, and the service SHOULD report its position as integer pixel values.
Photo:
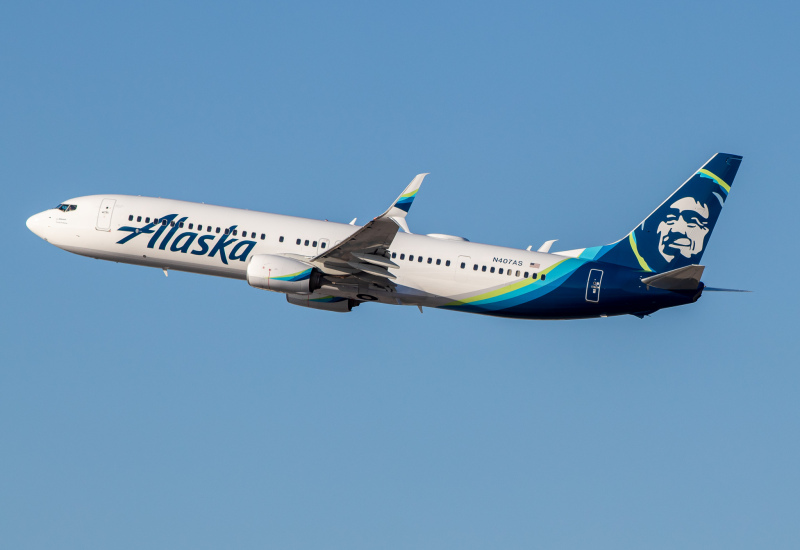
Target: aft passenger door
(104, 216)
(593, 285)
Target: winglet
(399, 208)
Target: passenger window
(324, 245)
(218, 230)
(306, 243)
(543, 276)
(227, 230)
(483, 269)
(500, 271)
(280, 240)
(191, 226)
(491, 270)
(236, 232)
(534, 276)
(447, 263)
(172, 224)
(517, 275)
(299, 241)
(147, 220)
(419, 259)
(463, 265)
(526, 274)
(438, 262)
(402, 256)
(475, 267)
(130, 218)
(314, 244)
(263, 236)
(181, 224)
(138, 218)
(410, 257)
(164, 223)
(430, 260)
(394, 255)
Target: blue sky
(196, 412)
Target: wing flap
(365, 252)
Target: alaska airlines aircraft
(335, 266)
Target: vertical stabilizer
(677, 232)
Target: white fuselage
(442, 269)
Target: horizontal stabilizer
(683, 278)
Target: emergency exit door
(593, 285)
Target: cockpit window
(67, 207)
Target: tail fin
(677, 232)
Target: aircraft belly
(564, 295)
(161, 261)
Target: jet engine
(281, 274)
(321, 301)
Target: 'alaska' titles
(191, 242)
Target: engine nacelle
(281, 274)
(321, 301)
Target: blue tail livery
(677, 232)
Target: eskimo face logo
(684, 230)
(191, 242)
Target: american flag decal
(535, 266)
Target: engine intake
(281, 274)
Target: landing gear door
(104, 216)
(593, 285)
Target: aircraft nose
(36, 224)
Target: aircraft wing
(364, 254)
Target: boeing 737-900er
(336, 266)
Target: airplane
(336, 266)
